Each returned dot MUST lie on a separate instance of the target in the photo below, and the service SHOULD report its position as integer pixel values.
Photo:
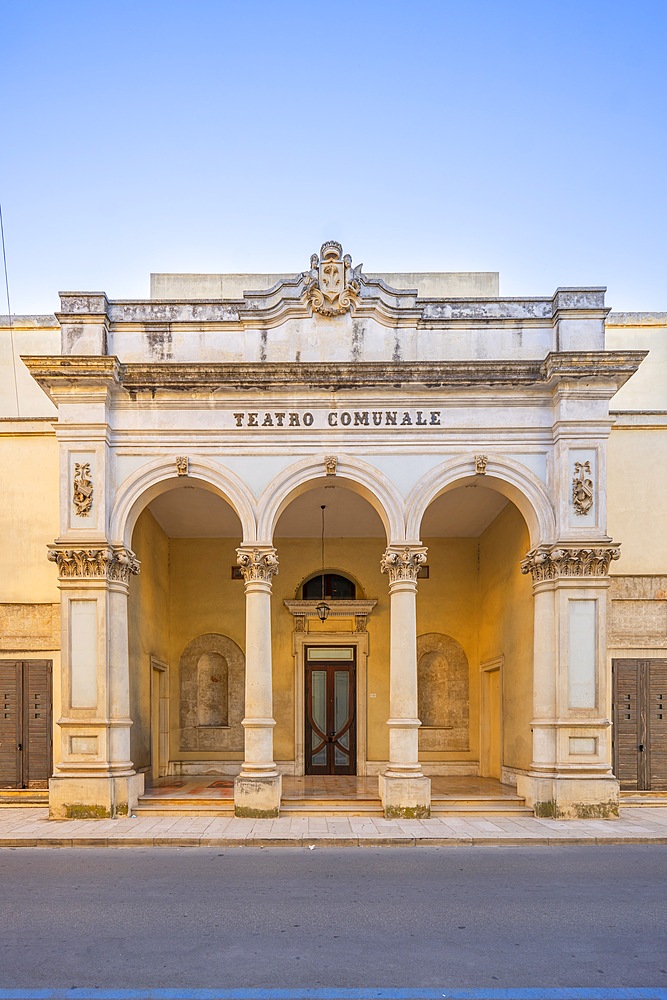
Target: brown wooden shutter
(37, 715)
(626, 721)
(10, 724)
(657, 724)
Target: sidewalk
(30, 827)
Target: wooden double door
(640, 723)
(331, 743)
(25, 723)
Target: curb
(260, 842)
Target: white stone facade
(334, 379)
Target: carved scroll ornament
(545, 563)
(403, 563)
(582, 488)
(116, 565)
(332, 284)
(330, 464)
(257, 564)
(480, 464)
(82, 489)
(182, 465)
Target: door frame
(330, 666)
(488, 667)
(358, 640)
(159, 703)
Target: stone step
(480, 809)
(180, 808)
(24, 797)
(224, 802)
(347, 808)
(634, 800)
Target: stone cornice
(303, 610)
(290, 298)
(115, 564)
(60, 374)
(552, 562)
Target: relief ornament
(546, 563)
(332, 284)
(582, 488)
(82, 489)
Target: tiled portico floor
(324, 786)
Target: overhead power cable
(9, 311)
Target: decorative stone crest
(82, 489)
(546, 563)
(480, 464)
(182, 465)
(582, 488)
(332, 284)
(403, 563)
(257, 564)
(330, 464)
(117, 564)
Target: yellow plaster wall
(448, 602)
(506, 627)
(636, 492)
(29, 507)
(202, 598)
(148, 623)
(192, 578)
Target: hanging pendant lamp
(322, 608)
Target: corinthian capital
(403, 562)
(115, 563)
(548, 562)
(257, 563)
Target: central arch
(357, 475)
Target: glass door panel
(330, 711)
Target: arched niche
(443, 693)
(212, 685)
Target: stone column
(571, 772)
(94, 776)
(404, 790)
(258, 788)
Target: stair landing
(314, 795)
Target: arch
(359, 476)
(209, 717)
(443, 692)
(513, 480)
(156, 477)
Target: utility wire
(9, 310)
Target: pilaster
(571, 771)
(94, 776)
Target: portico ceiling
(189, 512)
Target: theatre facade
(335, 523)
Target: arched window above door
(336, 588)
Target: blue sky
(523, 137)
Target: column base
(570, 797)
(258, 797)
(407, 797)
(94, 796)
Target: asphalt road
(356, 917)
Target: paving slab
(30, 827)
